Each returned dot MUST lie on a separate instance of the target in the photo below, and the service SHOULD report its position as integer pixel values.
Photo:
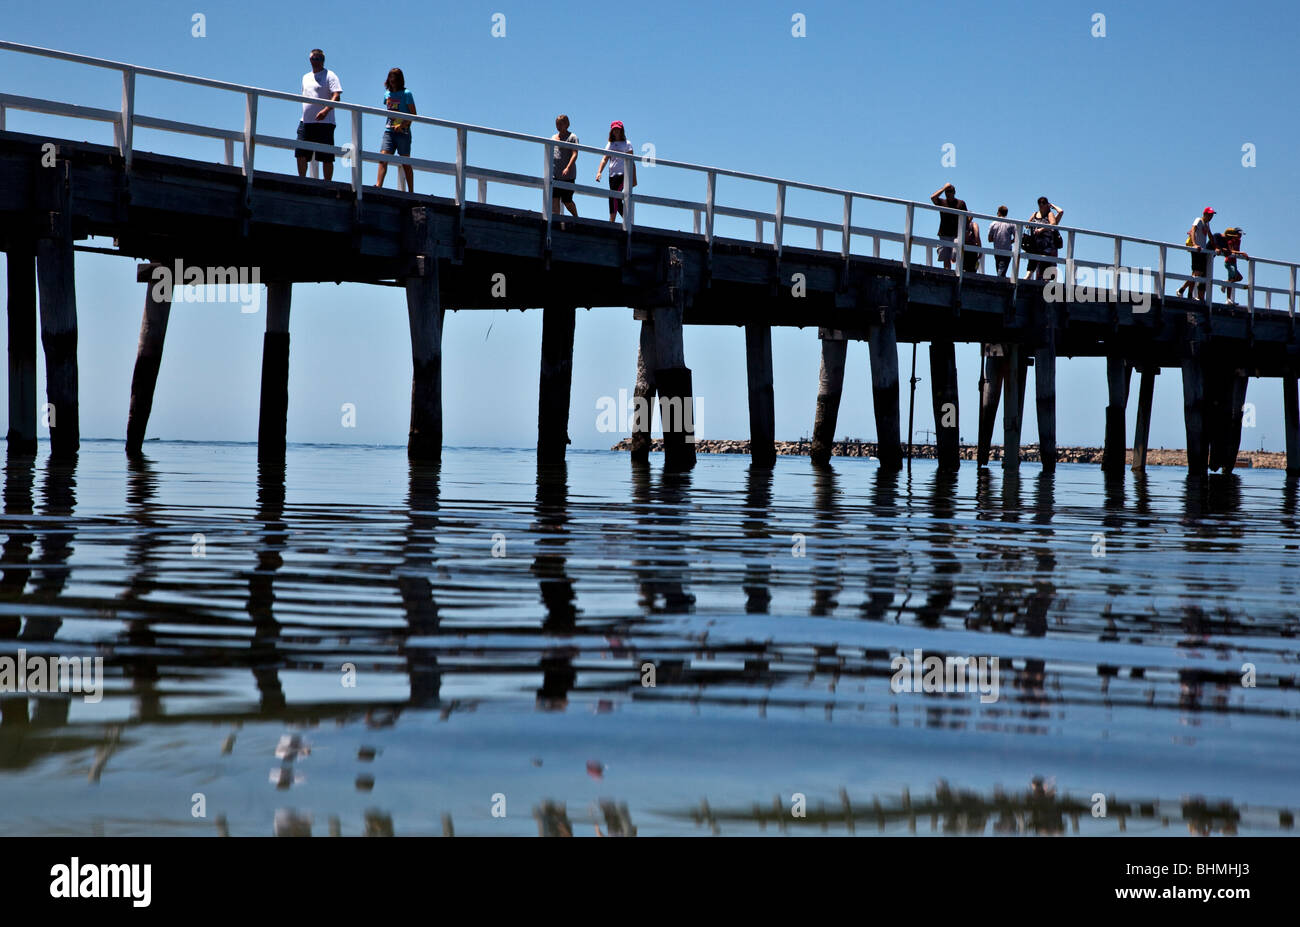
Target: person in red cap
(617, 167)
(1199, 236)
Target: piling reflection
(972, 562)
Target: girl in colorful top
(397, 132)
(1229, 245)
(617, 167)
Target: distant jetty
(1159, 457)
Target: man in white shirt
(318, 120)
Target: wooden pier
(447, 253)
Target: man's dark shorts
(320, 132)
(1198, 262)
(564, 196)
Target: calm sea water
(352, 645)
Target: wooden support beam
(425, 314)
(55, 272)
(555, 384)
(644, 393)
(882, 343)
(273, 412)
(1291, 413)
(1142, 429)
(762, 400)
(21, 308)
(944, 398)
(1045, 395)
(1013, 406)
(148, 354)
(672, 376)
(830, 387)
(1235, 384)
(995, 365)
(1118, 371)
(1194, 413)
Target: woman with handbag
(1047, 242)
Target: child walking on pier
(397, 132)
(617, 166)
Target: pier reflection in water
(350, 644)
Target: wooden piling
(1013, 406)
(762, 400)
(1291, 412)
(1235, 386)
(944, 397)
(1194, 413)
(644, 392)
(148, 354)
(1118, 371)
(1045, 396)
(1142, 429)
(273, 412)
(555, 384)
(425, 316)
(672, 376)
(990, 395)
(830, 386)
(21, 308)
(882, 343)
(55, 272)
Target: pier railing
(1280, 287)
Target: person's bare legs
(328, 168)
(383, 171)
(410, 178)
(302, 166)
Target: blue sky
(1031, 100)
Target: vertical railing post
(356, 154)
(846, 232)
(778, 227)
(629, 172)
(875, 246)
(695, 221)
(128, 116)
(1292, 302)
(482, 189)
(758, 231)
(1160, 273)
(546, 192)
(1114, 269)
(462, 141)
(250, 140)
(1069, 257)
(2, 117)
(1250, 287)
(818, 233)
(1015, 258)
(907, 245)
(230, 151)
(960, 250)
(710, 192)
